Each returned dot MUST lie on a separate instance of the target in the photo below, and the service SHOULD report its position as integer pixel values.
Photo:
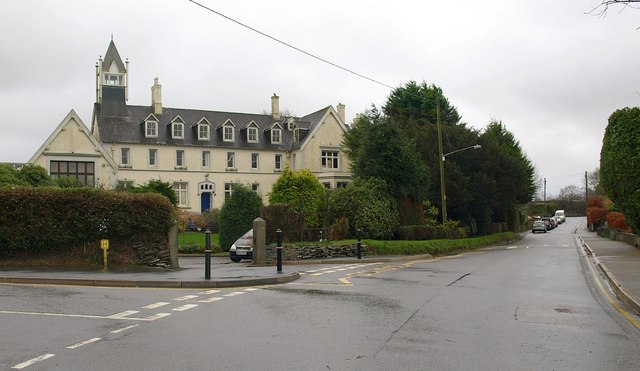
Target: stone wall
(613, 234)
(291, 253)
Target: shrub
(596, 215)
(367, 206)
(35, 175)
(339, 229)
(209, 219)
(303, 192)
(159, 187)
(281, 216)
(615, 220)
(237, 215)
(431, 232)
(620, 163)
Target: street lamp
(443, 194)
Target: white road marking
(186, 297)
(235, 293)
(124, 329)
(32, 361)
(210, 300)
(82, 343)
(156, 316)
(184, 307)
(209, 292)
(251, 289)
(512, 247)
(122, 315)
(53, 314)
(156, 305)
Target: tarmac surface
(619, 262)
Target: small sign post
(104, 245)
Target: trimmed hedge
(428, 232)
(437, 247)
(49, 219)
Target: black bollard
(207, 255)
(359, 244)
(279, 250)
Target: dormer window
(252, 134)
(177, 128)
(228, 132)
(276, 136)
(291, 124)
(203, 131)
(151, 129)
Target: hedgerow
(50, 219)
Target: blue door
(205, 201)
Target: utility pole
(544, 196)
(586, 193)
(441, 156)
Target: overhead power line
(291, 46)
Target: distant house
(201, 153)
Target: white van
(560, 214)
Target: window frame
(231, 161)
(255, 161)
(174, 127)
(153, 157)
(252, 134)
(228, 133)
(182, 194)
(181, 159)
(330, 159)
(277, 162)
(205, 160)
(276, 136)
(150, 125)
(125, 157)
(83, 171)
(204, 131)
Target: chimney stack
(341, 107)
(156, 97)
(275, 107)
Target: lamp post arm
(477, 146)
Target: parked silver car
(538, 226)
(242, 248)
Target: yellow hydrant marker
(104, 245)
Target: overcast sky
(550, 72)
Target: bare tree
(571, 193)
(602, 8)
(593, 180)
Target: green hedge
(428, 232)
(48, 219)
(436, 247)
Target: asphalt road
(531, 305)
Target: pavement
(619, 262)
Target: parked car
(558, 220)
(538, 226)
(560, 213)
(548, 222)
(242, 248)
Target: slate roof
(111, 56)
(124, 124)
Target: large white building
(201, 153)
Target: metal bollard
(359, 244)
(279, 250)
(207, 255)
